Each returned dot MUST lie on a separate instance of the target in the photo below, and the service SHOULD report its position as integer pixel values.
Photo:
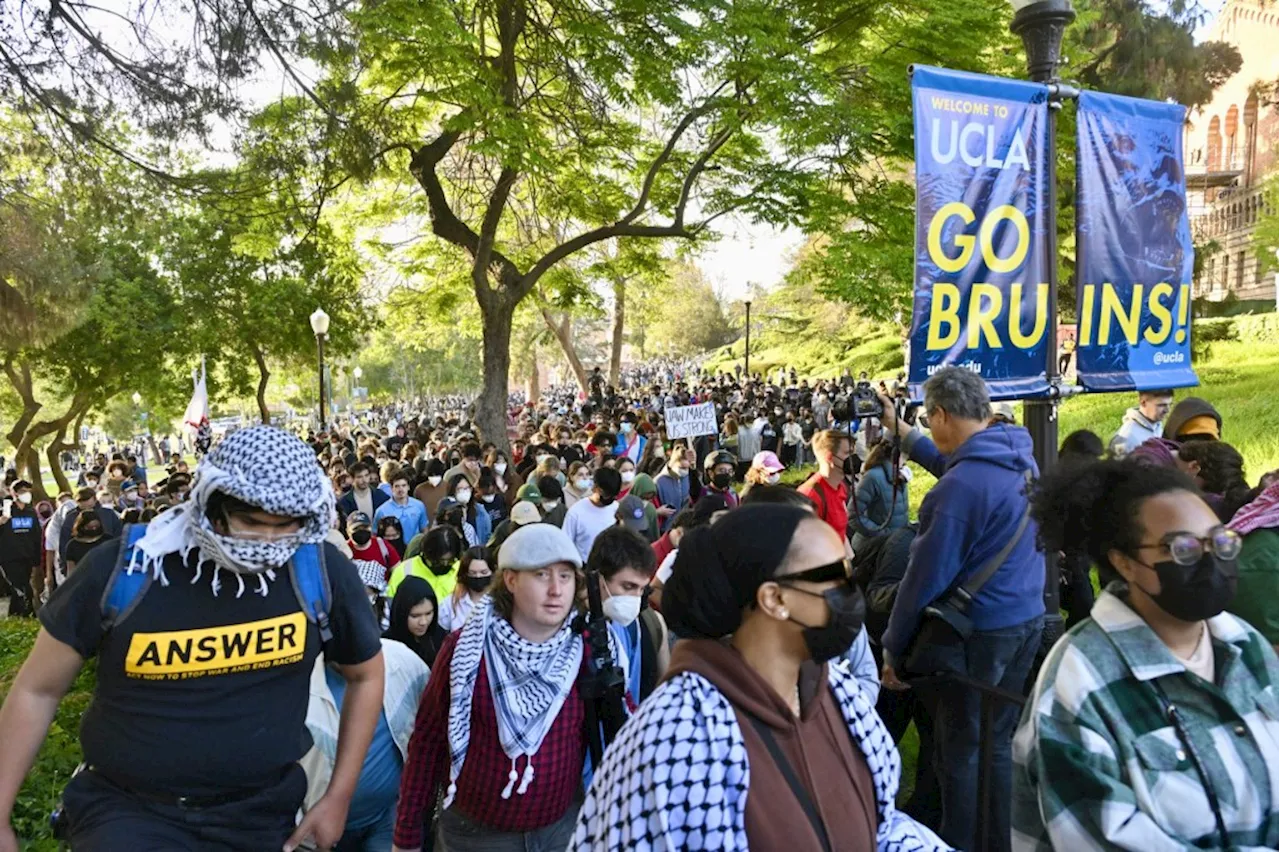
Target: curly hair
(1092, 507)
(1221, 471)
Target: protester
(20, 550)
(477, 525)
(1257, 598)
(554, 510)
(972, 523)
(437, 562)
(432, 489)
(578, 484)
(644, 490)
(87, 533)
(415, 619)
(369, 547)
(588, 518)
(362, 497)
(880, 500)
(827, 488)
(258, 499)
(371, 816)
(1152, 724)
(475, 575)
(509, 760)
(774, 579)
(1193, 419)
(1142, 423)
(1218, 470)
(765, 469)
(673, 484)
(87, 502)
(720, 468)
(409, 511)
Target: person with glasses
(751, 704)
(1152, 724)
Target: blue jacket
(672, 491)
(966, 519)
(620, 447)
(483, 524)
(875, 502)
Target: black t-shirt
(200, 694)
(77, 549)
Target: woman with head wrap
(415, 619)
(218, 618)
(768, 592)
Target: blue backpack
(125, 589)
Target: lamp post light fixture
(320, 325)
(137, 398)
(1041, 25)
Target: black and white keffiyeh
(677, 776)
(263, 466)
(529, 681)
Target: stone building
(1231, 152)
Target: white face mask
(549, 505)
(773, 478)
(463, 496)
(582, 484)
(488, 498)
(434, 480)
(628, 476)
(501, 468)
(24, 497)
(621, 609)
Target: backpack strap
(311, 585)
(124, 588)
(812, 484)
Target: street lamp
(320, 325)
(137, 398)
(1041, 25)
(747, 351)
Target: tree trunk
(34, 475)
(263, 376)
(533, 388)
(619, 318)
(491, 405)
(563, 330)
(53, 453)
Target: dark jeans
(18, 578)
(898, 710)
(105, 818)
(459, 834)
(1000, 658)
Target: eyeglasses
(1187, 549)
(839, 571)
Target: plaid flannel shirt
(1098, 764)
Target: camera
(865, 401)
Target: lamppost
(747, 351)
(320, 325)
(1041, 25)
(357, 373)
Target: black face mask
(440, 568)
(361, 537)
(1196, 592)
(92, 532)
(849, 466)
(721, 480)
(477, 584)
(606, 499)
(848, 609)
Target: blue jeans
(1000, 658)
(372, 838)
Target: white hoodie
(1133, 432)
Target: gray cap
(631, 513)
(535, 546)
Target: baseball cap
(631, 513)
(530, 492)
(768, 461)
(523, 513)
(1005, 410)
(358, 519)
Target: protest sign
(690, 421)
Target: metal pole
(747, 353)
(320, 349)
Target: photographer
(974, 516)
(624, 562)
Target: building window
(1240, 261)
(1226, 274)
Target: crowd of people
(419, 634)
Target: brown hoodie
(818, 746)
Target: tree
(250, 284)
(684, 314)
(1266, 237)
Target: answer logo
(183, 654)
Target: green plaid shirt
(1098, 764)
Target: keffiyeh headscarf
(529, 681)
(265, 467)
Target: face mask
(606, 499)
(773, 478)
(25, 497)
(434, 480)
(45, 514)
(550, 505)
(848, 608)
(92, 532)
(848, 466)
(463, 496)
(683, 470)
(477, 584)
(622, 609)
(1196, 592)
(361, 537)
(501, 468)
(488, 498)
(721, 480)
(541, 458)
(626, 428)
(628, 476)
(582, 484)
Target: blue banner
(1133, 246)
(981, 298)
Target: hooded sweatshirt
(1187, 409)
(644, 488)
(968, 518)
(818, 747)
(1135, 430)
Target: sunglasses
(1187, 549)
(839, 571)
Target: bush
(60, 754)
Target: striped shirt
(1099, 765)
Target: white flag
(198, 409)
